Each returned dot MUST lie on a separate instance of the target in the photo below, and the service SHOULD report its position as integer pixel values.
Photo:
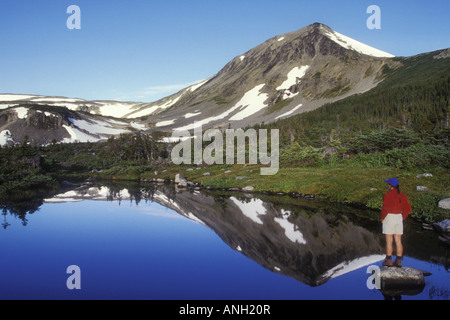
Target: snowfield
(115, 109)
(165, 123)
(290, 112)
(22, 112)
(190, 115)
(252, 209)
(252, 102)
(349, 43)
(5, 137)
(151, 110)
(97, 127)
(14, 97)
(293, 76)
(349, 266)
(78, 136)
(291, 230)
(198, 85)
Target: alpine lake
(130, 241)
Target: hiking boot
(398, 262)
(387, 262)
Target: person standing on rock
(395, 210)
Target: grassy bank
(353, 185)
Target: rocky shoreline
(181, 182)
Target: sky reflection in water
(148, 251)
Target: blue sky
(141, 50)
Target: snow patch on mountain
(349, 266)
(78, 136)
(293, 77)
(252, 209)
(198, 85)
(252, 102)
(138, 126)
(190, 115)
(290, 112)
(291, 230)
(5, 137)
(115, 109)
(21, 112)
(165, 123)
(56, 99)
(351, 44)
(97, 127)
(14, 97)
(152, 110)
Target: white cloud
(154, 93)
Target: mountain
(42, 124)
(287, 75)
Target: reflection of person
(395, 210)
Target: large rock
(444, 204)
(402, 281)
(180, 180)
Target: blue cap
(393, 182)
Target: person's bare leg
(398, 245)
(389, 242)
(399, 250)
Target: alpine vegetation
(213, 153)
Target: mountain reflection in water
(309, 241)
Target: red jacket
(395, 203)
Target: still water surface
(162, 244)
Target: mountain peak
(287, 74)
(311, 35)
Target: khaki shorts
(393, 224)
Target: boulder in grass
(444, 204)
(424, 175)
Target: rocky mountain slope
(286, 75)
(45, 124)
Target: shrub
(425, 206)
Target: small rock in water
(443, 226)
